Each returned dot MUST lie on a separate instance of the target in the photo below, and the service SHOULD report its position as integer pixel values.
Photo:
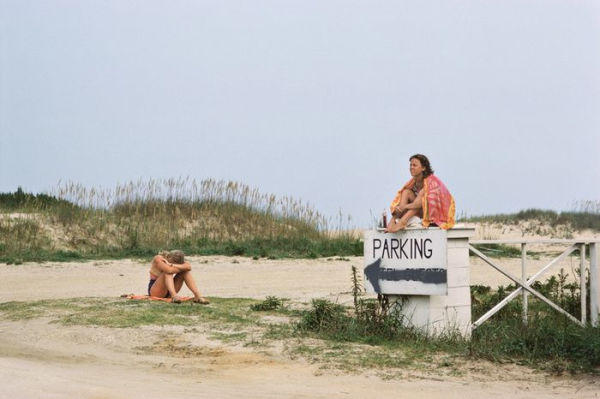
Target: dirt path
(39, 359)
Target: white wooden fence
(524, 284)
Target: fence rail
(524, 284)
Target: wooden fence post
(594, 291)
(524, 278)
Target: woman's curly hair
(424, 163)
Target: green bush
(19, 200)
(270, 303)
(323, 316)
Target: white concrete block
(458, 243)
(458, 277)
(451, 313)
(415, 309)
(457, 296)
(451, 320)
(458, 257)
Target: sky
(323, 101)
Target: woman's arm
(183, 267)
(416, 204)
(160, 263)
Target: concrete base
(448, 314)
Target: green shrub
(270, 303)
(324, 315)
(19, 200)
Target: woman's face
(416, 168)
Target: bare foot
(201, 300)
(396, 225)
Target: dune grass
(585, 215)
(140, 218)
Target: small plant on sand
(374, 320)
(270, 303)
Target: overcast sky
(323, 101)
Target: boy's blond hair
(176, 256)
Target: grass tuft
(270, 303)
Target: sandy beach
(40, 359)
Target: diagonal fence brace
(522, 286)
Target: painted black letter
(395, 246)
(376, 245)
(402, 244)
(427, 251)
(419, 248)
(385, 249)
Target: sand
(40, 359)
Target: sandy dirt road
(39, 359)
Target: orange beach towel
(438, 203)
(155, 298)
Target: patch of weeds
(499, 250)
(16, 311)
(270, 303)
(382, 359)
(175, 347)
(323, 316)
(255, 341)
(279, 331)
(353, 358)
(229, 336)
(123, 313)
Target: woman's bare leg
(403, 221)
(164, 284)
(395, 223)
(190, 282)
(407, 197)
(398, 224)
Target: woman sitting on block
(168, 273)
(424, 196)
